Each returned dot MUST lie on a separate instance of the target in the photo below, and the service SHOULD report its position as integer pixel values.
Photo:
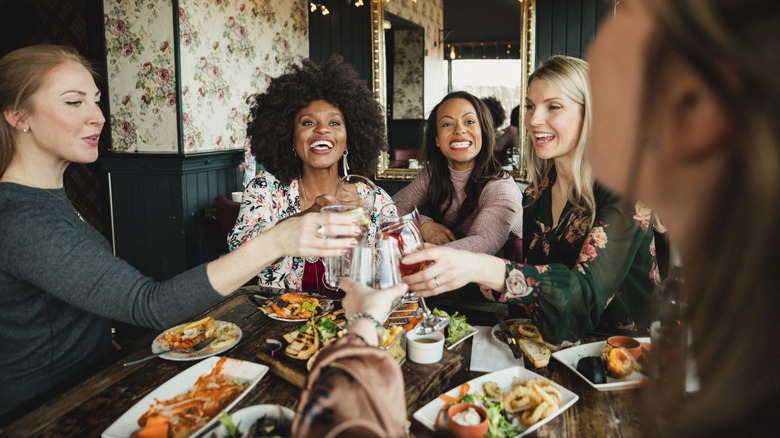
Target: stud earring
(344, 163)
(25, 129)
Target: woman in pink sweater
(471, 202)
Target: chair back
(227, 212)
(513, 249)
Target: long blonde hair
(569, 76)
(732, 281)
(22, 73)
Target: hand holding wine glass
(400, 223)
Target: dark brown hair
(486, 166)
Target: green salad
(457, 329)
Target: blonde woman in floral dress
(589, 258)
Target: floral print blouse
(578, 278)
(265, 202)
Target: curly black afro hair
(272, 117)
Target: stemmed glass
(355, 196)
(400, 221)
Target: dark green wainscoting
(160, 204)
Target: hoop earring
(344, 162)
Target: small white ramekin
(424, 352)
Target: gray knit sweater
(60, 287)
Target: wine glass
(400, 223)
(355, 194)
(377, 264)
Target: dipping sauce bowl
(631, 345)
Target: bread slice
(535, 351)
(304, 345)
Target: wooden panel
(160, 201)
(566, 27)
(346, 31)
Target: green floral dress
(577, 278)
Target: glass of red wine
(400, 221)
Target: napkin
(488, 356)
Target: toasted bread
(535, 351)
(304, 345)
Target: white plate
(127, 424)
(472, 331)
(497, 331)
(571, 356)
(326, 306)
(225, 331)
(245, 418)
(504, 378)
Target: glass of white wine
(355, 195)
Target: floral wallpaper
(408, 74)
(430, 15)
(141, 79)
(229, 49)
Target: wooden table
(89, 408)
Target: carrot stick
(464, 389)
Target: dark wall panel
(346, 30)
(160, 206)
(566, 27)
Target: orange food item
(188, 412)
(412, 322)
(156, 427)
(619, 363)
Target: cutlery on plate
(197, 347)
(510, 338)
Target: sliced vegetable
(277, 345)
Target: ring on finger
(321, 231)
(437, 281)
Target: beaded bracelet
(380, 330)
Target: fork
(197, 347)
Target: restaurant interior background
(176, 74)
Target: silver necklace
(309, 259)
(67, 202)
(52, 194)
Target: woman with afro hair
(311, 122)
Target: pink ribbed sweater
(499, 211)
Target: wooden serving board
(421, 381)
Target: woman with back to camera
(473, 203)
(60, 284)
(589, 257)
(310, 124)
(686, 117)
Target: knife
(510, 338)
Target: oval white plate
(226, 331)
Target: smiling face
(320, 136)
(66, 119)
(553, 120)
(458, 133)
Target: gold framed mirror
(379, 82)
